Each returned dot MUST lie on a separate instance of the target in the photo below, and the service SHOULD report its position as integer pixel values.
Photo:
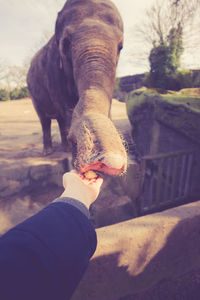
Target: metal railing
(165, 180)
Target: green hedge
(4, 95)
(14, 94)
(19, 93)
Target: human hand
(80, 188)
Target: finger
(73, 171)
(96, 182)
(67, 177)
(99, 182)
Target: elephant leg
(47, 142)
(63, 126)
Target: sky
(23, 23)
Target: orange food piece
(90, 174)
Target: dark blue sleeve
(45, 256)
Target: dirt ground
(20, 131)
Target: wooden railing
(165, 180)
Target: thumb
(97, 182)
(68, 177)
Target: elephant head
(89, 35)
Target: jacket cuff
(75, 203)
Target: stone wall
(29, 174)
(135, 255)
(166, 123)
(130, 83)
(127, 84)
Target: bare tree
(12, 76)
(3, 69)
(163, 17)
(189, 5)
(45, 36)
(17, 76)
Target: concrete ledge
(29, 173)
(135, 255)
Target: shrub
(24, 92)
(19, 93)
(14, 94)
(4, 95)
(185, 78)
(116, 87)
(177, 81)
(164, 61)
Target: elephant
(71, 79)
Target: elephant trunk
(98, 144)
(94, 71)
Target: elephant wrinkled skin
(71, 79)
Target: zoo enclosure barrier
(165, 181)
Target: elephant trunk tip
(109, 163)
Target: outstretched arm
(45, 256)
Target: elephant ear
(62, 36)
(59, 27)
(63, 25)
(62, 31)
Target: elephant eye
(65, 45)
(120, 46)
(109, 19)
